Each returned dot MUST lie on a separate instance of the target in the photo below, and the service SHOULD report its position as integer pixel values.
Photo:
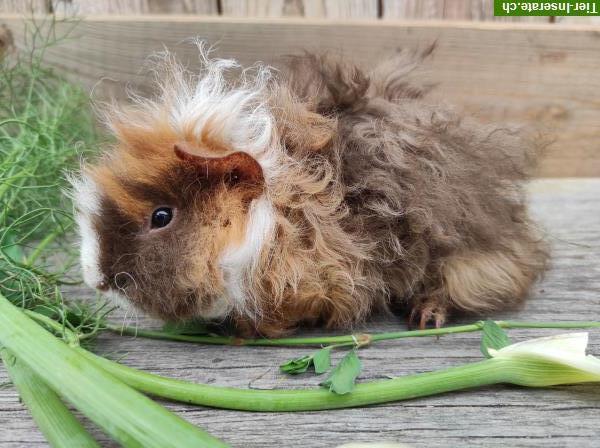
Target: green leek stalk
(126, 415)
(360, 339)
(57, 423)
(539, 362)
(490, 371)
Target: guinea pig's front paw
(427, 310)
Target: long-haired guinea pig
(313, 195)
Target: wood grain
(24, 6)
(331, 9)
(87, 7)
(91, 7)
(203, 7)
(540, 75)
(261, 8)
(578, 20)
(413, 9)
(498, 416)
(349, 9)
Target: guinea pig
(312, 195)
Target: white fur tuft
(234, 113)
(87, 201)
(238, 262)
(86, 196)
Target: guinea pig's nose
(102, 285)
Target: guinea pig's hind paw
(427, 311)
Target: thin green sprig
(349, 340)
(44, 122)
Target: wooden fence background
(476, 10)
(543, 74)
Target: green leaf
(296, 366)
(321, 360)
(493, 337)
(190, 327)
(342, 377)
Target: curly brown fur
(375, 198)
(419, 205)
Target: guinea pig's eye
(161, 217)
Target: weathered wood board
(545, 76)
(332, 9)
(86, 7)
(498, 416)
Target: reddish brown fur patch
(172, 274)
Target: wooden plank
(448, 10)
(203, 7)
(331, 9)
(577, 20)
(23, 6)
(541, 75)
(260, 8)
(89, 7)
(498, 416)
(413, 9)
(458, 9)
(349, 9)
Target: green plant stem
(39, 249)
(130, 418)
(16, 121)
(345, 340)
(531, 371)
(5, 186)
(57, 423)
(68, 335)
(477, 374)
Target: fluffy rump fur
(371, 198)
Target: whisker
(120, 288)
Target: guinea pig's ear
(235, 167)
